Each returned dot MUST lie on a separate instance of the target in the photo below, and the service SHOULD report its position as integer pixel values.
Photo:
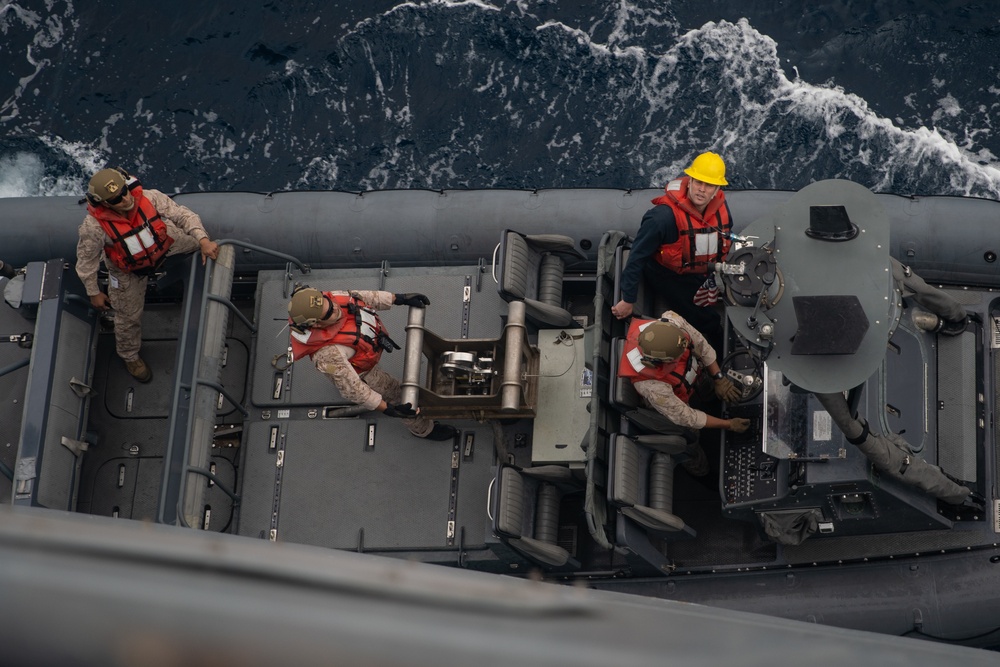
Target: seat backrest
(531, 269)
(526, 516)
(509, 517)
(642, 305)
(622, 394)
(518, 275)
(661, 482)
(550, 280)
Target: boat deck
(288, 459)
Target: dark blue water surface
(899, 95)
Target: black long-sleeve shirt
(658, 227)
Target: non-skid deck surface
(333, 491)
(123, 468)
(130, 489)
(126, 398)
(330, 488)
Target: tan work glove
(739, 424)
(727, 391)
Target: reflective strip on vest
(140, 241)
(634, 355)
(706, 244)
(692, 374)
(369, 324)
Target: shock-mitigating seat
(525, 512)
(530, 269)
(641, 483)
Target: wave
(451, 94)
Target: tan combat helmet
(107, 186)
(662, 342)
(308, 307)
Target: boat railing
(603, 420)
(197, 389)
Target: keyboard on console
(748, 474)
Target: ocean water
(898, 95)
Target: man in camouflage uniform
(117, 201)
(344, 337)
(664, 358)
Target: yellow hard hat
(708, 168)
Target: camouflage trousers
(388, 386)
(127, 293)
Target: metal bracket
(78, 447)
(23, 340)
(383, 273)
(24, 477)
(456, 459)
(470, 442)
(81, 388)
(279, 469)
(466, 305)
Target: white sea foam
(448, 4)
(20, 175)
(24, 174)
(742, 104)
(838, 126)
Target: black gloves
(402, 411)
(385, 343)
(410, 299)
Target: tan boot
(139, 370)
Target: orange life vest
(703, 237)
(679, 374)
(358, 328)
(139, 239)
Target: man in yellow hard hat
(679, 239)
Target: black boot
(442, 432)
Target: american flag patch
(708, 293)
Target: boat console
(816, 335)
